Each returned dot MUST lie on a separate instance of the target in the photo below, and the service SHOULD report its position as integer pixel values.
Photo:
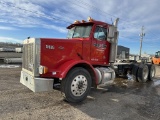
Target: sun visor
(79, 24)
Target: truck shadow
(122, 100)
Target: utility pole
(141, 40)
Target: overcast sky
(20, 19)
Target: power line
(154, 36)
(86, 4)
(101, 11)
(98, 9)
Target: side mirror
(111, 31)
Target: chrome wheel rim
(153, 73)
(145, 73)
(79, 85)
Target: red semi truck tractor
(85, 59)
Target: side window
(100, 33)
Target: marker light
(76, 22)
(90, 19)
(83, 21)
(43, 69)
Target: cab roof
(87, 23)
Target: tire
(143, 72)
(76, 85)
(152, 71)
(135, 72)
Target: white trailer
(7, 50)
(13, 60)
(18, 50)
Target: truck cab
(93, 35)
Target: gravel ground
(123, 100)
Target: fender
(155, 60)
(65, 68)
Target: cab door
(100, 46)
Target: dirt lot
(121, 101)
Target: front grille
(28, 56)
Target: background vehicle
(84, 60)
(18, 50)
(156, 59)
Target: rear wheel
(152, 71)
(143, 72)
(135, 72)
(76, 85)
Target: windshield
(79, 32)
(157, 54)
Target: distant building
(122, 52)
(146, 57)
(133, 57)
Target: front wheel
(76, 85)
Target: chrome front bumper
(36, 84)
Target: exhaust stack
(113, 36)
(116, 22)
